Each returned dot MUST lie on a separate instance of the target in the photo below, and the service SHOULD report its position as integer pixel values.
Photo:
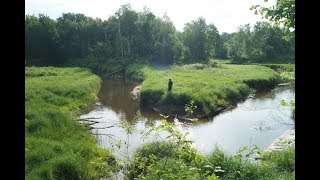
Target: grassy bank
(102, 65)
(278, 67)
(98, 66)
(57, 146)
(210, 85)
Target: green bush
(171, 169)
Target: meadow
(210, 86)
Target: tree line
(142, 35)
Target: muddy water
(256, 121)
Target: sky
(226, 15)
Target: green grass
(211, 85)
(278, 165)
(162, 160)
(57, 146)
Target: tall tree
(164, 41)
(127, 27)
(196, 39)
(41, 39)
(240, 44)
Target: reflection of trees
(115, 94)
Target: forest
(129, 35)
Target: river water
(256, 121)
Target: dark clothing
(170, 85)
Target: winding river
(256, 121)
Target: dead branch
(102, 127)
(92, 118)
(109, 135)
(88, 120)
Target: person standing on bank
(170, 85)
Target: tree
(283, 13)
(195, 38)
(145, 38)
(240, 45)
(164, 41)
(127, 27)
(41, 40)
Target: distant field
(210, 85)
(57, 146)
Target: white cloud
(226, 15)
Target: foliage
(190, 107)
(57, 146)
(262, 44)
(129, 35)
(289, 76)
(283, 13)
(169, 158)
(200, 40)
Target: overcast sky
(226, 15)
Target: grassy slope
(57, 146)
(98, 66)
(210, 87)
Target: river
(256, 121)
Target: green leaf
(212, 177)
(283, 103)
(244, 148)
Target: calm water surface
(256, 121)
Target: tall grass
(211, 85)
(57, 146)
(278, 165)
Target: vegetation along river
(256, 121)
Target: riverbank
(57, 146)
(213, 87)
